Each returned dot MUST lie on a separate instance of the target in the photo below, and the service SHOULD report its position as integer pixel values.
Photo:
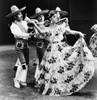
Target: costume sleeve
(67, 28)
(17, 32)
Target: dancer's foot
(23, 83)
(36, 62)
(16, 83)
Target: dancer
(41, 44)
(93, 41)
(19, 29)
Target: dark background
(82, 15)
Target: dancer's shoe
(16, 83)
(23, 83)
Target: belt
(17, 39)
(55, 42)
(40, 44)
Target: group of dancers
(61, 69)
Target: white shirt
(20, 32)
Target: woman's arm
(37, 27)
(42, 32)
(74, 32)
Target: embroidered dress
(64, 69)
(93, 44)
(93, 41)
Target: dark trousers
(40, 49)
(40, 52)
(24, 55)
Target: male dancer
(19, 29)
(41, 44)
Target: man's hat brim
(40, 13)
(63, 13)
(14, 13)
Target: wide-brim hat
(15, 10)
(62, 12)
(39, 12)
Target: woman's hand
(81, 34)
(34, 21)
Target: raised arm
(67, 29)
(37, 27)
(74, 32)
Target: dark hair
(51, 13)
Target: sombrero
(15, 10)
(62, 12)
(39, 12)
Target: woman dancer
(64, 69)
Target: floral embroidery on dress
(64, 69)
(93, 44)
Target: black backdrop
(83, 9)
(82, 14)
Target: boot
(23, 83)
(16, 83)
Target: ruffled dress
(64, 69)
(93, 41)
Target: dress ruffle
(65, 69)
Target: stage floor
(8, 92)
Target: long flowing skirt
(65, 69)
(93, 44)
